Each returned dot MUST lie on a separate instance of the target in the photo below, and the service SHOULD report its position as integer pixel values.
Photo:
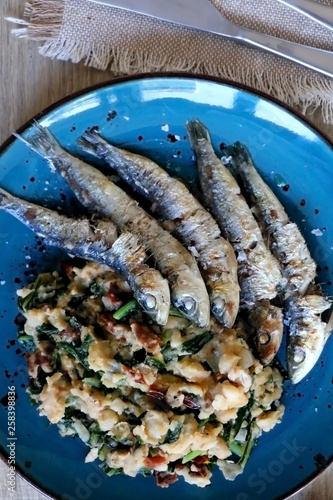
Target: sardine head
(267, 322)
(224, 311)
(189, 295)
(297, 363)
(154, 297)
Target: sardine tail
(41, 141)
(90, 141)
(197, 131)
(6, 198)
(239, 153)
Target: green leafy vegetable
(169, 354)
(25, 303)
(79, 353)
(193, 454)
(251, 441)
(46, 330)
(146, 472)
(27, 341)
(195, 345)
(96, 289)
(125, 309)
(156, 363)
(76, 300)
(74, 322)
(112, 472)
(211, 418)
(92, 381)
(176, 312)
(236, 448)
(173, 436)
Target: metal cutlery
(318, 12)
(202, 15)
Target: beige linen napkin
(127, 43)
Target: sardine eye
(264, 338)
(150, 302)
(299, 356)
(218, 304)
(189, 304)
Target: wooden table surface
(29, 83)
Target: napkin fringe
(309, 93)
(45, 22)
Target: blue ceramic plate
(148, 115)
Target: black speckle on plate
(172, 138)
(302, 203)
(111, 115)
(320, 461)
(4, 400)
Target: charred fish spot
(31, 213)
(209, 172)
(253, 245)
(223, 146)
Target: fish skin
(258, 271)
(190, 222)
(98, 242)
(286, 240)
(307, 334)
(100, 195)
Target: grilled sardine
(97, 242)
(191, 223)
(286, 240)
(101, 196)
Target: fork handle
(317, 59)
(321, 13)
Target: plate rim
(150, 76)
